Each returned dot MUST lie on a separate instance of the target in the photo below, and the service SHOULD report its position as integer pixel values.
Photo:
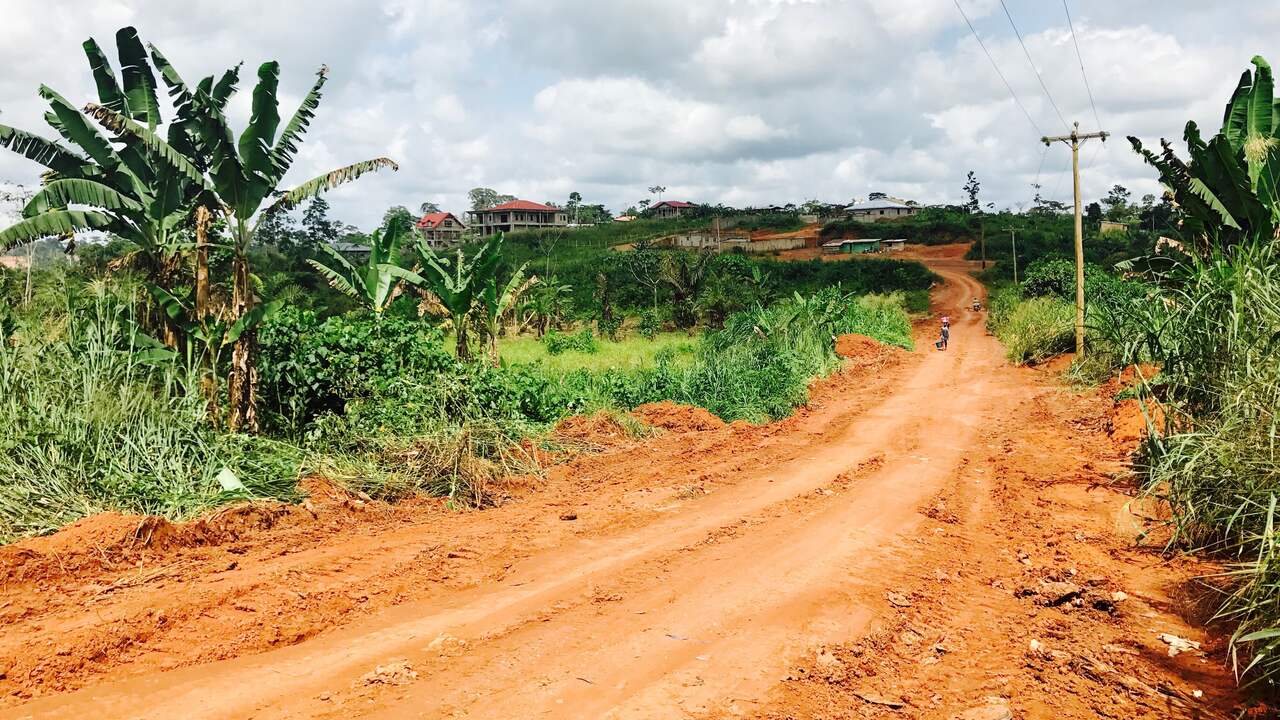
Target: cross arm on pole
(1075, 136)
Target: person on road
(976, 305)
(945, 337)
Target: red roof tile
(521, 205)
(674, 204)
(433, 220)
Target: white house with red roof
(441, 229)
(670, 209)
(517, 215)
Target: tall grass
(1215, 332)
(88, 425)
(759, 366)
(1037, 329)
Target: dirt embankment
(936, 535)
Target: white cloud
(735, 101)
(628, 116)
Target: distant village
(443, 229)
(723, 229)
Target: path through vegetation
(938, 535)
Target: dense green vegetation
(1213, 330)
(1206, 314)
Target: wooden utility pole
(1013, 238)
(982, 237)
(1074, 139)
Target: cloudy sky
(734, 101)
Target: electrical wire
(1066, 170)
(1033, 66)
(1009, 87)
(1035, 186)
(1080, 59)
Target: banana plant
(376, 284)
(245, 178)
(457, 283)
(497, 300)
(133, 192)
(1229, 190)
(206, 338)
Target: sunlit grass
(630, 353)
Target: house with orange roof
(517, 215)
(441, 229)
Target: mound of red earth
(1127, 422)
(855, 347)
(675, 417)
(110, 539)
(599, 429)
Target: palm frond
(328, 181)
(122, 125)
(226, 87)
(139, 82)
(76, 127)
(109, 92)
(255, 141)
(46, 152)
(56, 223)
(287, 146)
(335, 279)
(63, 192)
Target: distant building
(670, 209)
(441, 229)
(624, 218)
(894, 244)
(517, 215)
(1110, 226)
(877, 210)
(352, 251)
(851, 246)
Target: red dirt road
(936, 534)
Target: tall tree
(320, 231)
(245, 179)
(1117, 203)
(400, 216)
(971, 188)
(482, 198)
(428, 207)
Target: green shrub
(308, 367)
(583, 341)
(650, 324)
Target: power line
(1009, 87)
(1058, 185)
(1080, 59)
(1035, 186)
(1033, 65)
